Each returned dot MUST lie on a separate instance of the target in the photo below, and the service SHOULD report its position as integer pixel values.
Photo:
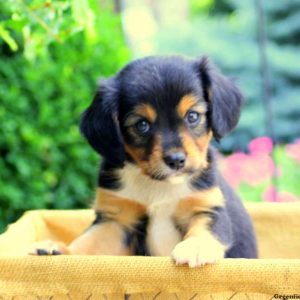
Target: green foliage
(288, 171)
(252, 194)
(284, 25)
(227, 31)
(210, 6)
(51, 56)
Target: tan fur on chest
(170, 207)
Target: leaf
(5, 35)
(84, 16)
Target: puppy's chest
(153, 194)
(161, 202)
(160, 199)
(162, 234)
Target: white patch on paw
(197, 252)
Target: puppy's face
(166, 140)
(163, 119)
(160, 113)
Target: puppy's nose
(175, 160)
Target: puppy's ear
(100, 125)
(223, 97)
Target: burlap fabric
(276, 274)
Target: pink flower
(252, 168)
(293, 151)
(271, 195)
(259, 167)
(262, 145)
(232, 168)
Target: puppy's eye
(142, 126)
(192, 118)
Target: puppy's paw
(48, 248)
(197, 252)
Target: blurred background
(53, 53)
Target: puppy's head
(160, 113)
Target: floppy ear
(100, 125)
(223, 97)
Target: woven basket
(275, 275)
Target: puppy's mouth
(159, 177)
(170, 175)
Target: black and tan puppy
(159, 191)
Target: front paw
(47, 248)
(197, 252)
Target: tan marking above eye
(147, 111)
(189, 102)
(131, 120)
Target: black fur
(224, 98)
(100, 126)
(42, 252)
(100, 218)
(235, 218)
(108, 177)
(136, 237)
(230, 223)
(207, 177)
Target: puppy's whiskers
(157, 173)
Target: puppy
(159, 191)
